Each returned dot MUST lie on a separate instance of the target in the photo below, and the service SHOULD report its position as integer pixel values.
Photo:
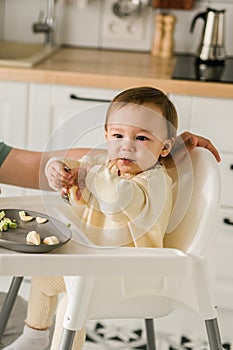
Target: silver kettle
(211, 48)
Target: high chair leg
(9, 302)
(150, 334)
(67, 339)
(213, 334)
(79, 294)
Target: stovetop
(187, 68)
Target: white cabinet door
(224, 254)
(226, 172)
(183, 107)
(212, 117)
(52, 109)
(13, 113)
(13, 121)
(38, 116)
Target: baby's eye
(141, 138)
(117, 136)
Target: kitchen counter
(112, 70)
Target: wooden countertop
(112, 70)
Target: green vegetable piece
(3, 226)
(7, 220)
(6, 223)
(12, 225)
(2, 214)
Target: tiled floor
(115, 334)
(24, 288)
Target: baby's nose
(128, 145)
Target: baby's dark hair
(149, 97)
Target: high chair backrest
(196, 197)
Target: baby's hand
(59, 175)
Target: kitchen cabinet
(13, 118)
(13, 112)
(183, 107)
(51, 106)
(48, 109)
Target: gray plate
(15, 239)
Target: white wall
(73, 23)
(2, 11)
(19, 27)
(83, 26)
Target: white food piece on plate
(33, 237)
(24, 217)
(27, 218)
(41, 220)
(51, 240)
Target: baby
(124, 198)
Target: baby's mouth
(126, 160)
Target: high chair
(146, 282)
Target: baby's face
(136, 136)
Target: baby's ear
(167, 147)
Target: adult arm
(26, 168)
(21, 168)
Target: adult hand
(184, 144)
(191, 141)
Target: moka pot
(211, 48)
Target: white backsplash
(87, 26)
(2, 10)
(79, 26)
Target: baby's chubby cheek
(147, 159)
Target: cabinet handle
(227, 221)
(75, 97)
